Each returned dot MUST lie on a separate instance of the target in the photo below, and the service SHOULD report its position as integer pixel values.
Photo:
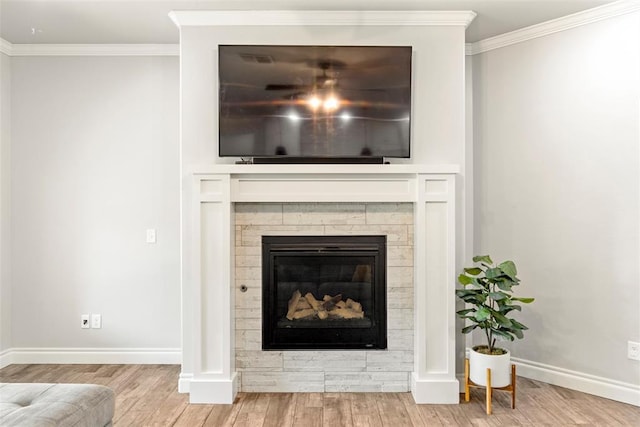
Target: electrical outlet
(96, 321)
(633, 350)
(84, 321)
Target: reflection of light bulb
(331, 103)
(314, 102)
(293, 116)
(345, 116)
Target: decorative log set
(331, 307)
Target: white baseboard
(6, 358)
(184, 383)
(599, 386)
(461, 381)
(116, 356)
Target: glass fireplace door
(324, 292)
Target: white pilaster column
(434, 378)
(211, 310)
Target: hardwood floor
(147, 395)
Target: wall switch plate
(96, 321)
(633, 350)
(84, 321)
(151, 235)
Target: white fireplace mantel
(208, 371)
(323, 183)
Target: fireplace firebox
(324, 292)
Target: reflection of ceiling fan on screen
(326, 80)
(322, 93)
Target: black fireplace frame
(347, 338)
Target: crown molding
(468, 49)
(5, 47)
(90, 49)
(184, 18)
(328, 18)
(555, 25)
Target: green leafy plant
(489, 290)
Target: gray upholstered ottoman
(36, 404)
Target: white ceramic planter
(500, 366)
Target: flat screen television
(314, 101)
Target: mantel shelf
(356, 169)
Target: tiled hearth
(318, 371)
(233, 206)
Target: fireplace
(221, 324)
(324, 292)
(412, 206)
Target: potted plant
(488, 289)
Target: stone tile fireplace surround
(234, 205)
(318, 371)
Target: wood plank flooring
(147, 395)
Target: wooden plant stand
(511, 388)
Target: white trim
(183, 18)
(5, 47)
(468, 49)
(445, 391)
(555, 25)
(329, 18)
(292, 169)
(461, 381)
(162, 356)
(184, 382)
(90, 49)
(6, 358)
(218, 391)
(586, 383)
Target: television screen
(314, 101)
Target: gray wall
(94, 164)
(557, 189)
(5, 202)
